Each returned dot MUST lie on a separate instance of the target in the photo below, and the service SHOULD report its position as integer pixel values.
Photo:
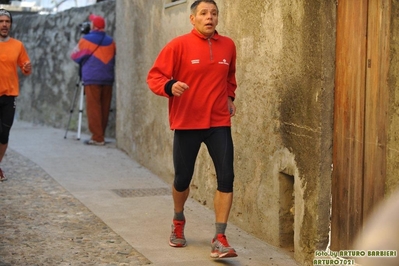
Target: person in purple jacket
(95, 54)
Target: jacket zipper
(210, 49)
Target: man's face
(206, 19)
(5, 25)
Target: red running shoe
(221, 248)
(177, 236)
(2, 176)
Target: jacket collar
(215, 36)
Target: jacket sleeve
(231, 78)
(80, 51)
(161, 73)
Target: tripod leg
(71, 109)
(80, 110)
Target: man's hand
(231, 106)
(179, 88)
(27, 67)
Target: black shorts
(186, 145)
(7, 112)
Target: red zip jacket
(208, 67)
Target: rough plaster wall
(306, 112)
(392, 181)
(143, 128)
(47, 94)
(284, 108)
(284, 102)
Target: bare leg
(3, 148)
(177, 238)
(179, 199)
(220, 246)
(222, 204)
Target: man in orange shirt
(12, 55)
(196, 72)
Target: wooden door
(360, 122)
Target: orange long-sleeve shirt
(208, 67)
(12, 54)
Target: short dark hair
(197, 2)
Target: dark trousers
(186, 145)
(98, 102)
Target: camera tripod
(79, 85)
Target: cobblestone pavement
(43, 224)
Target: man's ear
(192, 19)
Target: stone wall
(46, 96)
(283, 126)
